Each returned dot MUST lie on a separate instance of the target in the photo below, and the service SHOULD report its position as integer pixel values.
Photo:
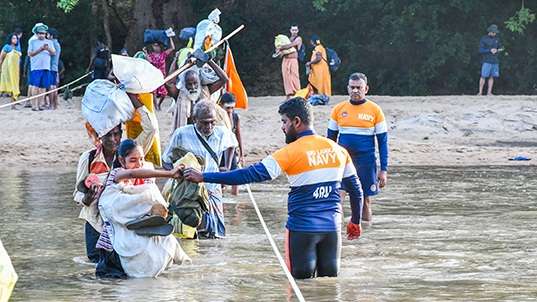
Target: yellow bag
(181, 230)
(134, 128)
(8, 276)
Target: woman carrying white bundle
(137, 239)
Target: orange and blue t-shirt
(355, 126)
(315, 167)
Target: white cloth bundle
(137, 75)
(105, 106)
(140, 256)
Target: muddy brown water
(466, 234)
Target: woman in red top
(157, 57)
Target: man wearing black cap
(489, 47)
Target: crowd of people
(319, 169)
(322, 170)
(131, 224)
(41, 67)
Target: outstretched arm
(147, 173)
(254, 173)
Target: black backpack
(302, 53)
(333, 59)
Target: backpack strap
(207, 147)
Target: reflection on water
(439, 234)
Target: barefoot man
(355, 124)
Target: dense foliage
(406, 47)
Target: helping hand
(177, 172)
(353, 230)
(193, 175)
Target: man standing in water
(355, 124)
(212, 143)
(315, 167)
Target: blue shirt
(40, 61)
(55, 59)
(485, 45)
(315, 167)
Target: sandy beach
(438, 131)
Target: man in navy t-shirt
(489, 47)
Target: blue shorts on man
(490, 70)
(53, 81)
(40, 78)
(368, 178)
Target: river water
(466, 234)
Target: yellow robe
(9, 74)
(134, 128)
(319, 77)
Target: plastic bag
(208, 27)
(137, 75)
(8, 276)
(318, 100)
(156, 36)
(187, 33)
(105, 106)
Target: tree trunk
(93, 30)
(157, 14)
(106, 23)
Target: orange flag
(234, 85)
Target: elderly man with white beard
(192, 88)
(213, 143)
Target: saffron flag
(234, 84)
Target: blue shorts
(40, 78)
(367, 174)
(53, 78)
(368, 179)
(490, 70)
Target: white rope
(44, 93)
(295, 287)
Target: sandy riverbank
(439, 130)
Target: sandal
(146, 221)
(161, 230)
